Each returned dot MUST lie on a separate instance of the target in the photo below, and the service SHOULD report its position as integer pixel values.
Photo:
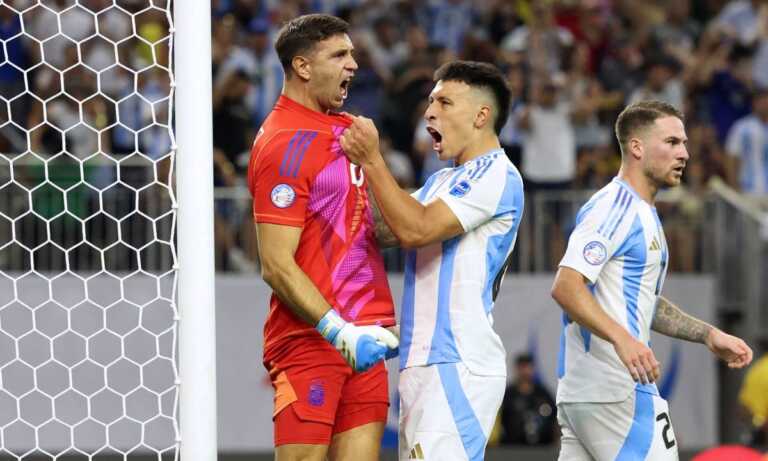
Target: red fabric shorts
(318, 395)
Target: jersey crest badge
(595, 253)
(283, 195)
(460, 189)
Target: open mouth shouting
(344, 87)
(437, 139)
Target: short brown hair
(300, 34)
(641, 115)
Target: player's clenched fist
(361, 347)
(360, 141)
(638, 358)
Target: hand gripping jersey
(619, 245)
(299, 176)
(450, 287)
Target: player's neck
(483, 145)
(639, 182)
(300, 93)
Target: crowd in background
(572, 66)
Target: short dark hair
(524, 359)
(480, 75)
(641, 115)
(300, 34)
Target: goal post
(197, 353)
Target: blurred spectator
(14, 55)
(747, 145)
(586, 91)
(746, 21)
(542, 43)
(386, 48)
(678, 34)
(754, 397)
(621, 69)
(662, 82)
(399, 164)
(528, 411)
(232, 132)
(512, 134)
(549, 148)
(725, 73)
(448, 22)
(409, 89)
(259, 60)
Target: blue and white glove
(361, 347)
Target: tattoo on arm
(384, 234)
(669, 320)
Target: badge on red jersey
(283, 195)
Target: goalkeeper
(325, 335)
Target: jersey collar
(286, 103)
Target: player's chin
(336, 103)
(673, 179)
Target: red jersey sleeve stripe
(302, 150)
(293, 145)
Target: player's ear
(301, 67)
(636, 148)
(483, 117)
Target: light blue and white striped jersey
(619, 245)
(450, 286)
(748, 140)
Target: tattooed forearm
(384, 235)
(669, 320)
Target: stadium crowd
(572, 65)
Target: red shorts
(318, 395)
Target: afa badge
(283, 195)
(595, 253)
(460, 189)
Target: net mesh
(88, 318)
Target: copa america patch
(283, 196)
(595, 253)
(460, 189)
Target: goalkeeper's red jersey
(299, 176)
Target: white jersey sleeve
(475, 202)
(602, 225)
(733, 141)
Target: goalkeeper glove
(362, 346)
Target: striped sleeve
(601, 227)
(474, 198)
(281, 179)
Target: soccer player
(331, 301)
(609, 286)
(462, 224)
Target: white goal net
(88, 318)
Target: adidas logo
(416, 452)
(654, 245)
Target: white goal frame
(194, 175)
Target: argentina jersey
(450, 286)
(618, 244)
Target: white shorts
(446, 412)
(636, 429)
